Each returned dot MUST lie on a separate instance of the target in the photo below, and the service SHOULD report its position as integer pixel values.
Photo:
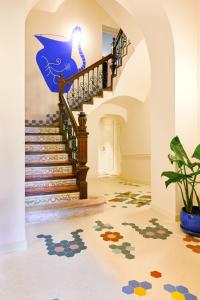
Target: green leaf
(178, 150)
(174, 177)
(173, 159)
(196, 153)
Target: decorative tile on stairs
(47, 158)
(43, 138)
(41, 200)
(42, 130)
(47, 170)
(50, 183)
(44, 147)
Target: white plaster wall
(134, 137)
(135, 79)
(93, 126)
(87, 14)
(183, 17)
(12, 220)
(135, 140)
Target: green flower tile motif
(154, 232)
(146, 197)
(124, 248)
(139, 202)
(64, 247)
(118, 200)
(127, 195)
(101, 226)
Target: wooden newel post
(82, 169)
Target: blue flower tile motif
(127, 290)
(136, 288)
(64, 247)
(179, 290)
(169, 288)
(146, 285)
(133, 283)
(182, 289)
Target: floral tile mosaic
(64, 247)
(44, 147)
(132, 198)
(111, 236)
(101, 226)
(43, 138)
(156, 274)
(137, 288)
(48, 170)
(179, 292)
(156, 231)
(42, 130)
(31, 201)
(190, 239)
(124, 248)
(50, 183)
(46, 158)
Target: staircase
(56, 156)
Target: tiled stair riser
(42, 130)
(43, 138)
(47, 170)
(44, 148)
(50, 183)
(46, 158)
(41, 200)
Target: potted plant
(186, 177)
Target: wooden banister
(81, 88)
(63, 83)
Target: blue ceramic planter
(190, 223)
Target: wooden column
(82, 169)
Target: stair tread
(49, 154)
(50, 190)
(48, 164)
(68, 204)
(50, 176)
(42, 125)
(43, 133)
(44, 152)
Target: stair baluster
(85, 85)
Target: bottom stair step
(41, 200)
(62, 211)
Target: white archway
(152, 20)
(155, 26)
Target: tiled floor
(127, 252)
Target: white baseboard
(13, 247)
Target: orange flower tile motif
(190, 238)
(194, 248)
(156, 274)
(111, 236)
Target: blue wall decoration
(55, 59)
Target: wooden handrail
(86, 70)
(70, 114)
(118, 37)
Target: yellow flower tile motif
(139, 291)
(177, 296)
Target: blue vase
(190, 223)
